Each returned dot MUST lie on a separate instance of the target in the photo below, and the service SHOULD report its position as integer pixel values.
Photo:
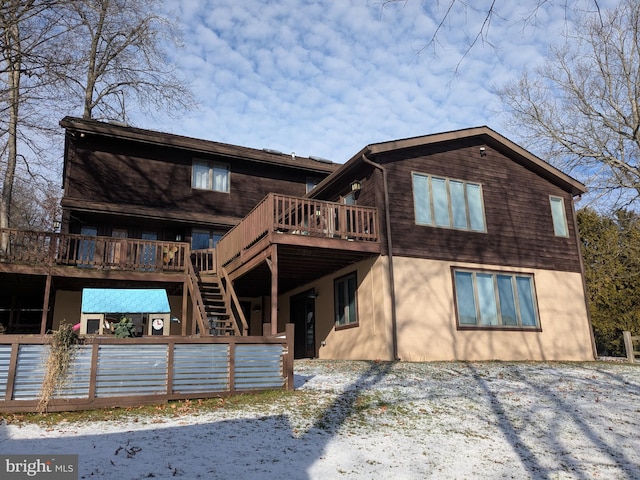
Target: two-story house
(459, 245)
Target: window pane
(559, 218)
(200, 176)
(220, 178)
(199, 239)
(525, 301)
(476, 214)
(351, 292)
(421, 199)
(464, 296)
(340, 303)
(487, 299)
(507, 300)
(458, 204)
(440, 202)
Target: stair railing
(199, 311)
(240, 325)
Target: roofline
(152, 137)
(491, 137)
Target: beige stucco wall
(371, 339)
(427, 321)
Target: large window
(443, 202)
(500, 300)
(344, 289)
(559, 217)
(210, 176)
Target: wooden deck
(47, 249)
(303, 222)
(284, 242)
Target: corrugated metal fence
(125, 372)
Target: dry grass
(62, 349)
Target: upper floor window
(559, 217)
(443, 202)
(311, 183)
(210, 176)
(486, 299)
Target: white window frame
(433, 213)
(492, 306)
(211, 169)
(559, 216)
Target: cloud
(327, 78)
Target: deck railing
(47, 248)
(299, 216)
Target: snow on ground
(364, 420)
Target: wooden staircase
(216, 307)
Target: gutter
(394, 318)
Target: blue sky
(325, 78)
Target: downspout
(584, 280)
(387, 219)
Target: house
(454, 246)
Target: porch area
(284, 242)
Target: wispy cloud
(327, 78)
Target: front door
(302, 315)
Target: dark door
(302, 314)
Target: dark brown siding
(140, 175)
(517, 210)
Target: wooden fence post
(288, 361)
(628, 346)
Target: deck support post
(274, 289)
(185, 306)
(45, 305)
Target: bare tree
(479, 16)
(119, 53)
(581, 109)
(26, 29)
(57, 55)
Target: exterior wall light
(356, 186)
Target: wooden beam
(45, 305)
(274, 289)
(185, 308)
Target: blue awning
(125, 300)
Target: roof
(483, 133)
(125, 132)
(125, 300)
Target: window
(442, 202)
(345, 300)
(559, 217)
(311, 183)
(495, 300)
(210, 176)
(203, 239)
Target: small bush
(124, 328)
